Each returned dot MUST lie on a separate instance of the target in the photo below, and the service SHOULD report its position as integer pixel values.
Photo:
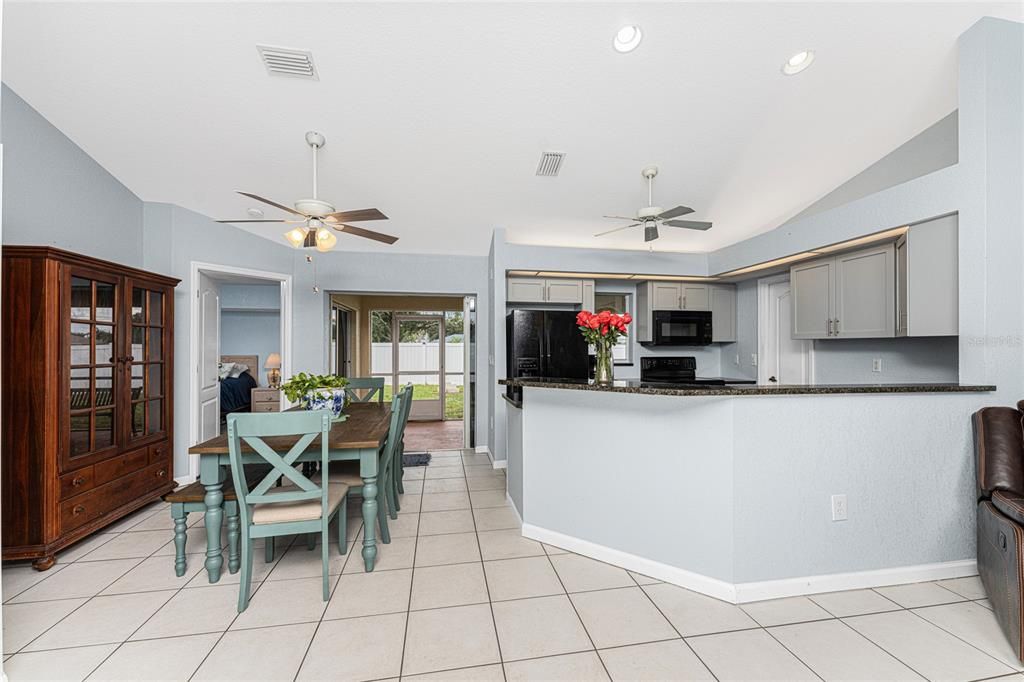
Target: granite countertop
(633, 386)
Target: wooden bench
(192, 498)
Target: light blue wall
(930, 150)
(746, 334)
(250, 322)
(56, 194)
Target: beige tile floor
(460, 595)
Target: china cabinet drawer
(116, 467)
(76, 482)
(104, 499)
(159, 452)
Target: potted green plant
(318, 392)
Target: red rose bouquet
(602, 331)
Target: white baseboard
(514, 510)
(712, 587)
(499, 463)
(833, 582)
(741, 593)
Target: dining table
(359, 436)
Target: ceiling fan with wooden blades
(652, 216)
(314, 216)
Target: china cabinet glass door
(92, 325)
(147, 362)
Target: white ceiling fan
(316, 215)
(651, 216)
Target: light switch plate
(753, 359)
(876, 364)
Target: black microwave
(680, 328)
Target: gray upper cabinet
(526, 290)
(926, 279)
(852, 295)
(720, 299)
(811, 287)
(665, 295)
(541, 290)
(696, 297)
(723, 312)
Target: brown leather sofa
(999, 449)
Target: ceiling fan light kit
(317, 215)
(652, 216)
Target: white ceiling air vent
(550, 164)
(284, 61)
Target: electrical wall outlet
(753, 359)
(839, 507)
(876, 364)
(737, 360)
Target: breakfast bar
(746, 492)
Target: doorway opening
(239, 344)
(423, 340)
(781, 358)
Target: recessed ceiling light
(627, 39)
(255, 213)
(798, 62)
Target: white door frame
(468, 307)
(396, 369)
(197, 267)
(763, 314)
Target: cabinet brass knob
(161, 473)
(79, 509)
(78, 480)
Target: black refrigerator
(543, 343)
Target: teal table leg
(369, 521)
(234, 531)
(214, 517)
(180, 536)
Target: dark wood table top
(366, 427)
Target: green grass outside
(453, 404)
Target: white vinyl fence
(420, 357)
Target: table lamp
(273, 367)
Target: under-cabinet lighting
(674, 278)
(861, 241)
(585, 275)
(770, 264)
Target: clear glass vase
(604, 369)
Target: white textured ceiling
(437, 113)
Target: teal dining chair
(348, 472)
(302, 505)
(365, 389)
(398, 466)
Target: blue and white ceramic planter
(332, 399)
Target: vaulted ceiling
(438, 113)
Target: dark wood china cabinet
(87, 371)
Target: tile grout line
(953, 634)
(669, 621)
(412, 576)
(574, 609)
(483, 570)
(882, 648)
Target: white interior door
(208, 331)
(784, 360)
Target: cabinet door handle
(77, 481)
(837, 326)
(829, 332)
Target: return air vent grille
(550, 164)
(284, 61)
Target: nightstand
(266, 400)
